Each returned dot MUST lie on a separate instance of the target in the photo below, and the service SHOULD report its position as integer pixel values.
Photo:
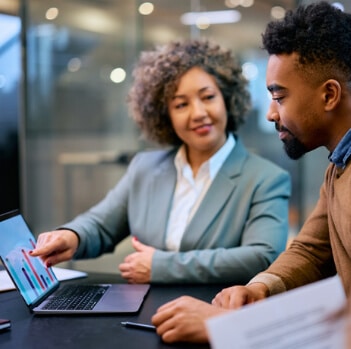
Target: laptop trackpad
(124, 298)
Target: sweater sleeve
(309, 257)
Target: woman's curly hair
(321, 36)
(156, 77)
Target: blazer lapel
(162, 185)
(216, 197)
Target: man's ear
(331, 94)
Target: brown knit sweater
(323, 246)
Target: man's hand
(236, 296)
(136, 267)
(183, 320)
(56, 246)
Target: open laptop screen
(32, 278)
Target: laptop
(41, 290)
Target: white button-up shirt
(190, 191)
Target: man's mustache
(281, 128)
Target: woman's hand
(136, 267)
(56, 246)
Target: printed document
(303, 318)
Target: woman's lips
(202, 130)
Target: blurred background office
(65, 70)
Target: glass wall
(79, 56)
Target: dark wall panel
(10, 73)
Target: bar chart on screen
(30, 275)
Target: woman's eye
(209, 96)
(180, 105)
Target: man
(309, 78)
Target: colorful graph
(31, 276)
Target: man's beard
(294, 148)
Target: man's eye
(277, 99)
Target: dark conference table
(99, 331)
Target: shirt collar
(342, 152)
(214, 163)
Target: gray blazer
(240, 227)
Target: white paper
(300, 318)
(6, 283)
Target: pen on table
(138, 325)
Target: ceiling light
(277, 12)
(146, 8)
(246, 3)
(118, 75)
(52, 13)
(211, 17)
(232, 3)
(74, 65)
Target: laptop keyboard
(77, 297)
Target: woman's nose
(198, 110)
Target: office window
(80, 55)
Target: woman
(202, 210)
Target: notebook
(40, 288)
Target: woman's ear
(331, 94)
